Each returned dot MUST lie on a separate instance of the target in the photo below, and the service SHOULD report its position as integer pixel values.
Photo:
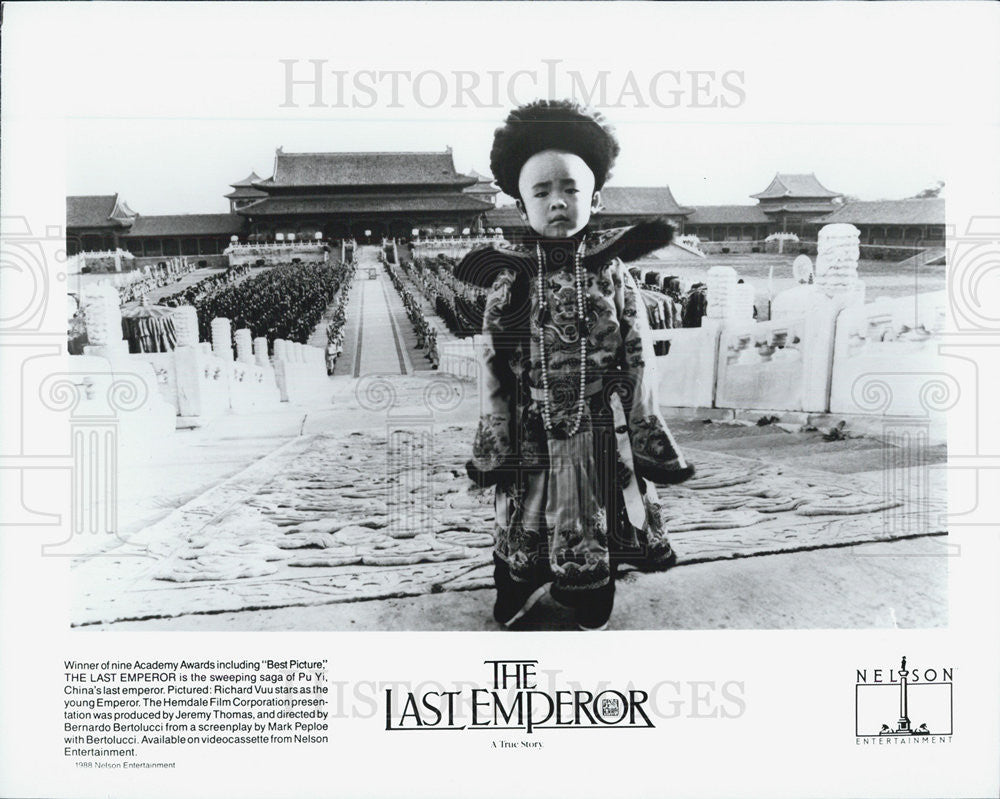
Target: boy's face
(557, 193)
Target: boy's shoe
(593, 617)
(513, 605)
(593, 608)
(514, 599)
(568, 599)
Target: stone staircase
(807, 449)
(933, 256)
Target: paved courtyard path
(379, 345)
(378, 336)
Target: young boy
(570, 434)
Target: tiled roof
(96, 211)
(505, 217)
(472, 173)
(481, 188)
(365, 169)
(249, 180)
(640, 200)
(789, 185)
(364, 203)
(624, 201)
(483, 184)
(245, 192)
(890, 212)
(798, 208)
(727, 214)
(122, 212)
(187, 225)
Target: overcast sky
(169, 103)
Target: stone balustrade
(824, 350)
(99, 261)
(116, 370)
(199, 381)
(222, 339)
(452, 246)
(275, 253)
(686, 375)
(887, 359)
(461, 358)
(244, 345)
(299, 370)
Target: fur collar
(480, 267)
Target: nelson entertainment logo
(513, 701)
(903, 706)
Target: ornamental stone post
(837, 253)
(222, 338)
(283, 369)
(722, 282)
(244, 346)
(743, 303)
(186, 325)
(102, 310)
(260, 352)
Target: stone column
(260, 352)
(222, 338)
(187, 366)
(743, 302)
(904, 719)
(186, 325)
(103, 312)
(721, 292)
(104, 321)
(837, 253)
(282, 369)
(244, 346)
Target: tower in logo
(903, 694)
(903, 726)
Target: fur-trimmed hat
(552, 125)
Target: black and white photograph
(409, 345)
(546, 370)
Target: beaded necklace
(578, 281)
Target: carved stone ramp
(376, 515)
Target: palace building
(371, 195)
(728, 223)
(620, 206)
(794, 202)
(891, 222)
(244, 193)
(183, 234)
(96, 222)
(105, 222)
(362, 195)
(483, 189)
